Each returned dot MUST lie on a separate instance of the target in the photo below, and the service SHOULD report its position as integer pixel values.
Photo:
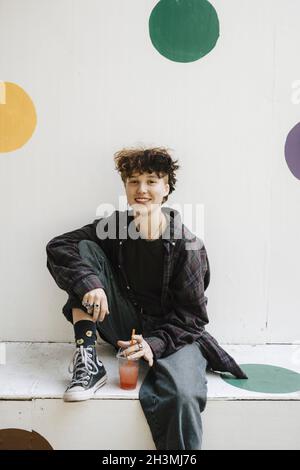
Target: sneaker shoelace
(83, 366)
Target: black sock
(85, 333)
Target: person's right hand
(95, 301)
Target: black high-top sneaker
(89, 374)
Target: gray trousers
(174, 391)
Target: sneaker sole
(85, 395)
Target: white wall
(98, 84)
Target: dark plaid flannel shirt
(186, 276)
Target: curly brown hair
(147, 160)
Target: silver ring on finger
(97, 305)
(140, 345)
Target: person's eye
(152, 181)
(132, 181)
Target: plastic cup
(128, 371)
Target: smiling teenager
(151, 279)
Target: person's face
(146, 191)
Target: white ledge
(40, 370)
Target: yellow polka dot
(89, 333)
(17, 117)
(80, 341)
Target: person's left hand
(140, 348)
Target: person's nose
(142, 188)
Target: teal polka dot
(184, 30)
(266, 379)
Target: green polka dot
(184, 30)
(266, 379)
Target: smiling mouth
(142, 199)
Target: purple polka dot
(292, 150)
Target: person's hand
(95, 301)
(140, 348)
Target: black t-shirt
(143, 263)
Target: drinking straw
(132, 335)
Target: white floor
(34, 377)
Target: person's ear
(167, 189)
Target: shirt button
(119, 266)
(128, 287)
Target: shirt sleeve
(185, 323)
(70, 272)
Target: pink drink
(128, 371)
(129, 374)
